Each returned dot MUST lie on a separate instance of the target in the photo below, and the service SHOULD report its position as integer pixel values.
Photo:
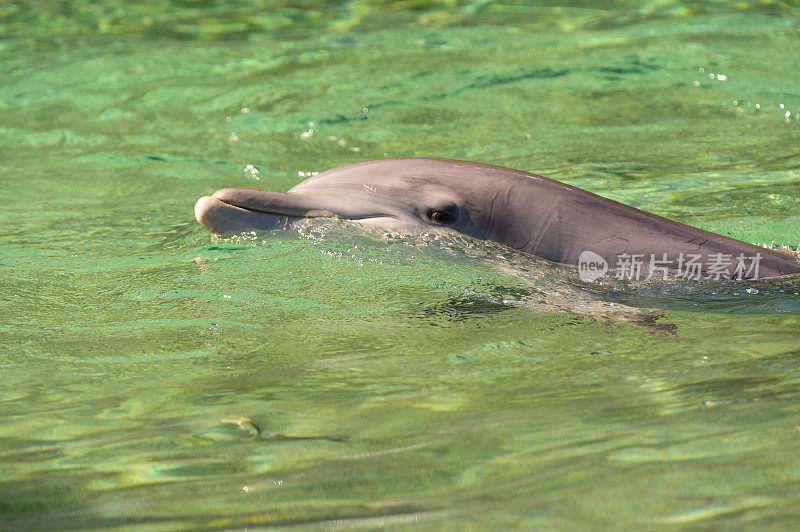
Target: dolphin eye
(444, 216)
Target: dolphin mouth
(302, 204)
(223, 218)
(231, 210)
(278, 203)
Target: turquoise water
(389, 380)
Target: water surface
(394, 381)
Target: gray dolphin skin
(534, 214)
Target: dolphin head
(411, 193)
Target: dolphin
(528, 212)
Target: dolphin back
(567, 222)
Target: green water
(395, 381)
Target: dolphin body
(531, 213)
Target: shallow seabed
(404, 381)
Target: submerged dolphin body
(534, 214)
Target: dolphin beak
(221, 218)
(286, 204)
(232, 210)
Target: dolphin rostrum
(534, 214)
